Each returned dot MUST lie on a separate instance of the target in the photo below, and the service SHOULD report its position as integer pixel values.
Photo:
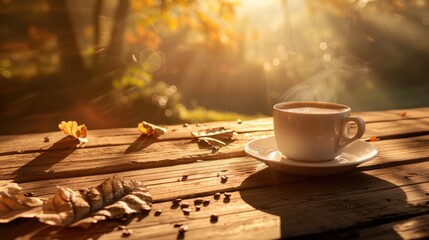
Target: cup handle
(346, 139)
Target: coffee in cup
(314, 131)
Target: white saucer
(265, 150)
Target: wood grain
(414, 122)
(388, 195)
(291, 209)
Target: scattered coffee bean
(127, 232)
(198, 201)
(122, 227)
(214, 217)
(176, 225)
(183, 228)
(47, 139)
(158, 212)
(184, 177)
(177, 201)
(185, 125)
(28, 194)
(197, 207)
(184, 205)
(206, 202)
(227, 194)
(217, 195)
(239, 121)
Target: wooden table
(385, 198)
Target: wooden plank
(145, 153)
(202, 177)
(125, 136)
(300, 208)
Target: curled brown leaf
(115, 198)
(212, 141)
(217, 133)
(14, 204)
(150, 129)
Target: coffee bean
(223, 177)
(185, 177)
(217, 195)
(28, 194)
(127, 232)
(122, 227)
(227, 194)
(198, 201)
(206, 202)
(239, 121)
(184, 205)
(158, 212)
(185, 125)
(197, 207)
(214, 217)
(176, 225)
(177, 201)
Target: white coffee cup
(314, 131)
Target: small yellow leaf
(150, 129)
(71, 128)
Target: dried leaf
(217, 133)
(115, 198)
(212, 141)
(14, 204)
(150, 129)
(71, 128)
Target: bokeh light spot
(168, 113)
(326, 57)
(6, 74)
(323, 46)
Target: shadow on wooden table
(139, 144)
(48, 158)
(334, 206)
(33, 229)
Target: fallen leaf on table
(14, 204)
(115, 198)
(150, 129)
(212, 142)
(217, 133)
(71, 128)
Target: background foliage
(116, 63)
